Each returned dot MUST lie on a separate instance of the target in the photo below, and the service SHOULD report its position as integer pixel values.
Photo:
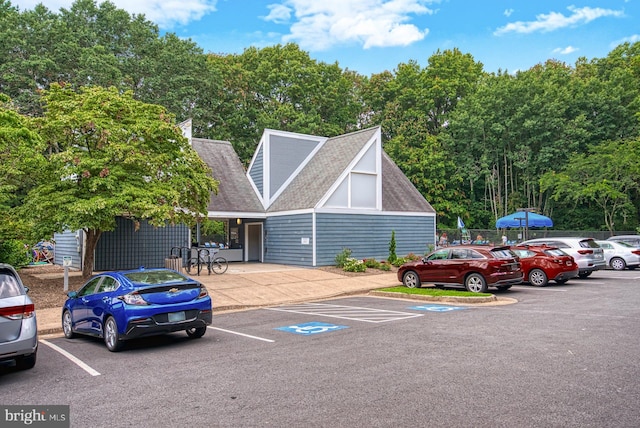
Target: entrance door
(254, 242)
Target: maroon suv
(476, 267)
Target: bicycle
(218, 265)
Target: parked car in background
(541, 264)
(620, 255)
(633, 240)
(473, 266)
(18, 325)
(122, 305)
(585, 251)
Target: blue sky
(371, 36)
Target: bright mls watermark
(35, 416)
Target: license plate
(176, 316)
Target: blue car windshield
(155, 277)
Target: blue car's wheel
(66, 325)
(196, 332)
(111, 335)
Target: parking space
(565, 349)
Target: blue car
(122, 305)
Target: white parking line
(242, 334)
(71, 357)
(539, 288)
(352, 313)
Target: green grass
(433, 292)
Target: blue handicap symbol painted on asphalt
(437, 308)
(311, 328)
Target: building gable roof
(235, 194)
(306, 186)
(322, 171)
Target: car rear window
(503, 254)
(155, 277)
(524, 253)
(9, 285)
(555, 252)
(589, 243)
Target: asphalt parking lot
(562, 356)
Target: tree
(280, 87)
(20, 162)
(109, 155)
(607, 176)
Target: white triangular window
(360, 187)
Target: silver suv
(18, 328)
(586, 252)
(633, 240)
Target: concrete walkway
(254, 285)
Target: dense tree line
(563, 139)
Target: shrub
(341, 258)
(14, 252)
(399, 262)
(354, 265)
(411, 257)
(392, 248)
(372, 263)
(384, 266)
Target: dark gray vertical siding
(257, 170)
(283, 240)
(286, 155)
(126, 248)
(68, 244)
(368, 236)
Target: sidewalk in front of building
(255, 285)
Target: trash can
(173, 262)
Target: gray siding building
(302, 200)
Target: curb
(447, 299)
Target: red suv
(542, 263)
(475, 267)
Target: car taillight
(636, 252)
(18, 312)
(133, 299)
(583, 252)
(203, 292)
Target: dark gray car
(18, 327)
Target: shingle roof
(235, 193)
(322, 171)
(398, 193)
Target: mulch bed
(46, 284)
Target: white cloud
(555, 20)
(321, 24)
(280, 14)
(631, 39)
(508, 12)
(165, 14)
(565, 51)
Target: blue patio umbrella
(523, 219)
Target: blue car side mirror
(72, 294)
